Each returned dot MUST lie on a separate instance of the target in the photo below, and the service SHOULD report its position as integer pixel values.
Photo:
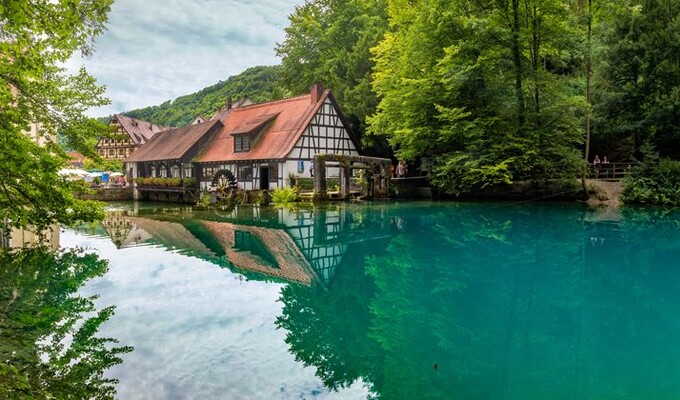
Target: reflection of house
(303, 247)
(266, 251)
(130, 134)
(260, 145)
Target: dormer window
(247, 133)
(241, 143)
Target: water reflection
(441, 301)
(49, 348)
(474, 302)
(300, 246)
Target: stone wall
(110, 194)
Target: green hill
(258, 84)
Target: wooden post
(320, 187)
(344, 181)
(386, 178)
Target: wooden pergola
(375, 175)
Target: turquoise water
(390, 301)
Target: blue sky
(157, 50)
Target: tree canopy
(495, 91)
(37, 37)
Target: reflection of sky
(199, 332)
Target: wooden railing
(613, 171)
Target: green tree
(37, 36)
(486, 89)
(639, 91)
(329, 42)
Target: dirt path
(608, 193)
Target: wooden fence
(610, 171)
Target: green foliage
(38, 36)
(166, 182)
(655, 182)
(486, 100)
(49, 348)
(638, 91)
(204, 200)
(329, 42)
(284, 195)
(102, 164)
(258, 84)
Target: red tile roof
(287, 120)
(140, 131)
(173, 144)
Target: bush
(654, 184)
(284, 196)
(307, 184)
(190, 182)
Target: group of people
(596, 160)
(601, 164)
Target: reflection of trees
(509, 303)
(48, 345)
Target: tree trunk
(589, 72)
(517, 61)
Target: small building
(258, 145)
(171, 153)
(130, 134)
(76, 159)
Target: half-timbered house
(170, 154)
(261, 145)
(129, 135)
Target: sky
(158, 50)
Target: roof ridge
(288, 99)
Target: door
(264, 178)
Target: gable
(325, 133)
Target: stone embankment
(109, 194)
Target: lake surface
(389, 301)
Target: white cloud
(157, 50)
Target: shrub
(173, 182)
(284, 196)
(653, 183)
(190, 182)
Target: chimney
(316, 92)
(230, 103)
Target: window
(162, 171)
(121, 152)
(175, 171)
(112, 152)
(241, 143)
(152, 171)
(245, 173)
(188, 171)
